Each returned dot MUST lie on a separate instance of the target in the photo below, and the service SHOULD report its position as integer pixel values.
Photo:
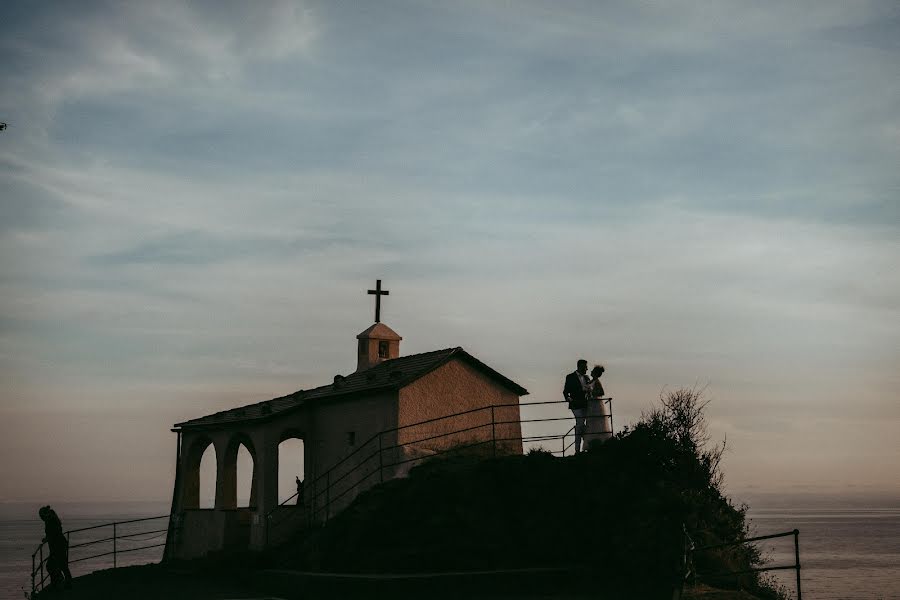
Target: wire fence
(102, 544)
(491, 430)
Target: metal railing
(571, 431)
(385, 452)
(40, 573)
(795, 567)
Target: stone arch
(193, 455)
(228, 472)
(291, 461)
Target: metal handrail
(795, 567)
(116, 522)
(317, 491)
(38, 561)
(454, 415)
(446, 434)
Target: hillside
(615, 514)
(607, 523)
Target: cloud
(197, 196)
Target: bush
(678, 429)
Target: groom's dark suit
(574, 391)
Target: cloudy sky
(194, 198)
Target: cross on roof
(378, 293)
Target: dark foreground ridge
(608, 523)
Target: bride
(599, 422)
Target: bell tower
(379, 342)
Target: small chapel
(358, 430)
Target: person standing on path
(576, 392)
(599, 418)
(58, 561)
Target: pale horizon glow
(196, 197)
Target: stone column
(191, 456)
(226, 475)
(264, 493)
(265, 475)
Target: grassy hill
(615, 514)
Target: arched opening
(291, 465)
(245, 466)
(208, 470)
(239, 473)
(199, 456)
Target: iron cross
(378, 293)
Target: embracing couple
(585, 396)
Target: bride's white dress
(599, 425)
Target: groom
(575, 391)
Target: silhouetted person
(58, 561)
(576, 392)
(599, 423)
(299, 491)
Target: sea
(848, 548)
(137, 542)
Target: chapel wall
(333, 421)
(453, 388)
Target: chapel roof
(390, 374)
(379, 331)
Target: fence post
(797, 560)
(42, 566)
(114, 546)
(493, 434)
(33, 590)
(380, 461)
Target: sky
(195, 197)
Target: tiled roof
(390, 374)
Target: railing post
(380, 461)
(33, 590)
(114, 546)
(612, 430)
(315, 497)
(493, 433)
(327, 495)
(797, 560)
(42, 566)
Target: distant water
(845, 552)
(21, 532)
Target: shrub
(694, 469)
